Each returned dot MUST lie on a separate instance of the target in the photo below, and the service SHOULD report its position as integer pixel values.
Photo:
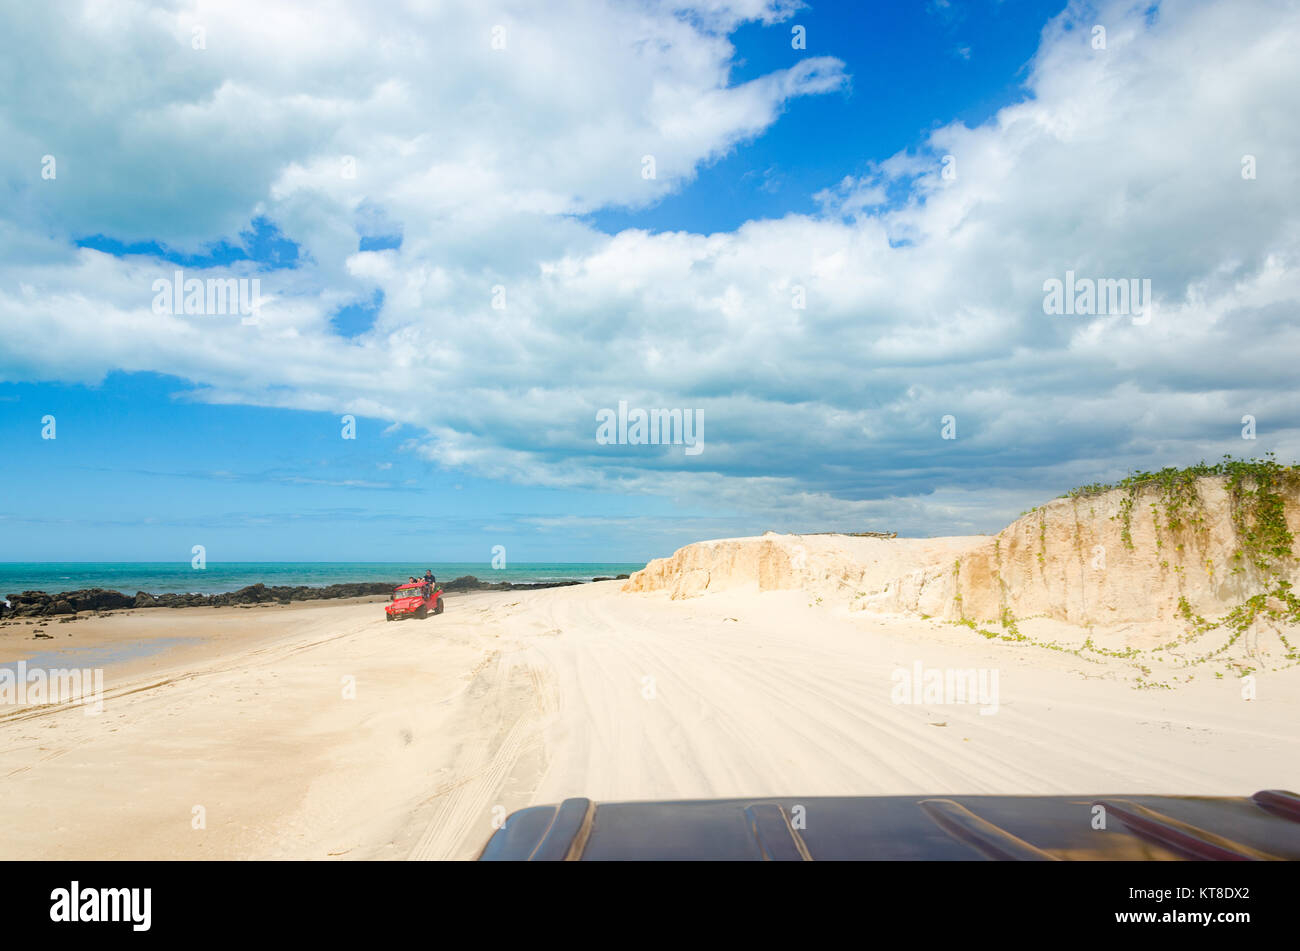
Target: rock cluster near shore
(41, 604)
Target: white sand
(510, 699)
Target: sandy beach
(318, 731)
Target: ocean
(181, 578)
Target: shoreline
(90, 602)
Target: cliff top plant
(1266, 471)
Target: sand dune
(1116, 571)
(1073, 559)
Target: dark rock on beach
(38, 603)
(261, 594)
(70, 603)
(41, 604)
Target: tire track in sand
(519, 695)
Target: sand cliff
(1187, 555)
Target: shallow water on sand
(101, 656)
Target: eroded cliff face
(838, 568)
(1134, 556)
(771, 563)
(1201, 548)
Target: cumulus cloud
(923, 279)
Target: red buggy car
(416, 599)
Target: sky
(823, 230)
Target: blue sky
(776, 168)
(136, 472)
(913, 66)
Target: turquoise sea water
(180, 577)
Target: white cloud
(1124, 162)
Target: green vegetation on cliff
(1258, 491)
(1255, 486)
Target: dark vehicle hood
(1136, 827)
